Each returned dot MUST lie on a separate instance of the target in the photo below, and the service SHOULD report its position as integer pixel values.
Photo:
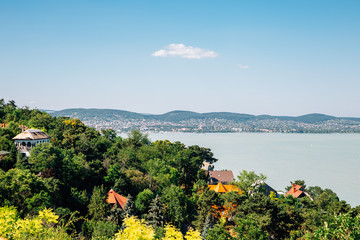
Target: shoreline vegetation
(61, 190)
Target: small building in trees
(223, 176)
(116, 199)
(221, 188)
(28, 139)
(207, 166)
(264, 187)
(222, 211)
(298, 191)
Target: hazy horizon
(190, 111)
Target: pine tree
(156, 212)
(207, 226)
(129, 208)
(116, 215)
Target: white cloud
(184, 51)
(241, 66)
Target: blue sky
(257, 57)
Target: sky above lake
(256, 57)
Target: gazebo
(28, 139)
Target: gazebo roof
(116, 198)
(221, 188)
(31, 134)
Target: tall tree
(178, 205)
(156, 213)
(129, 208)
(250, 183)
(98, 207)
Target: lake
(325, 160)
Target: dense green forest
(60, 191)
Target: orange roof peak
(221, 188)
(116, 198)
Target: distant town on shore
(187, 121)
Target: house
(224, 176)
(223, 211)
(28, 139)
(116, 199)
(266, 189)
(298, 191)
(207, 166)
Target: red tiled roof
(296, 191)
(116, 198)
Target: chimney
(294, 186)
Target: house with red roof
(298, 191)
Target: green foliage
(143, 200)
(129, 208)
(41, 226)
(109, 134)
(136, 139)
(99, 229)
(250, 183)
(24, 190)
(98, 207)
(204, 199)
(247, 228)
(156, 216)
(342, 226)
(207, 226)
(218, 232)
(177, 205)
(116, 215)
(81, 160)
(266, 214)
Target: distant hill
(175, 116)
(213, 121)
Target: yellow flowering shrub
(135, 229)
(8, 219)
(39, 227)
(193, 235)
(171, 233)
(73, 122)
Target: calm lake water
(325, 160)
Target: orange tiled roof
(116, 198)
(221, 188)
(297, 191)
